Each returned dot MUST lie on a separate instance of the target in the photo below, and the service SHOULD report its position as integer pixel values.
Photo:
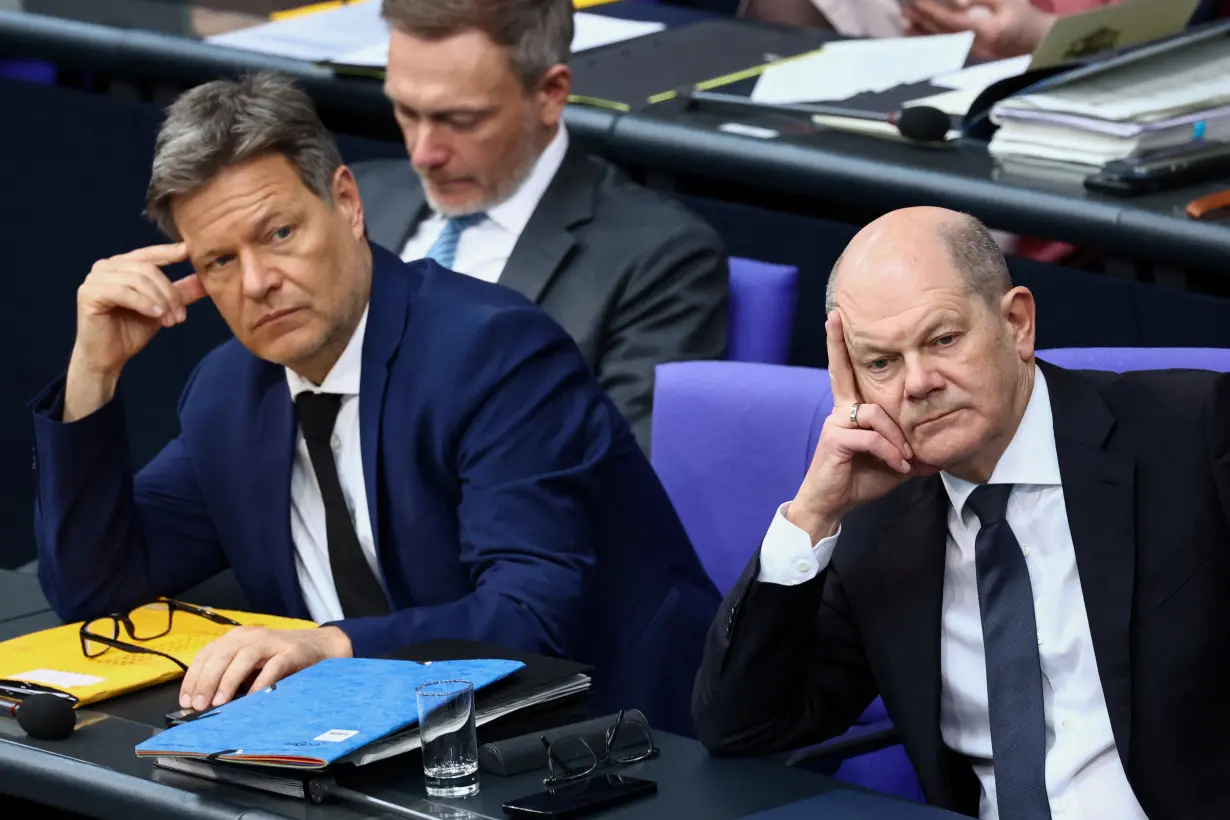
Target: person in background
(1002, 28)
(495, 189)
(1029, 564)
(394, 451)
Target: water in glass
(449, 742)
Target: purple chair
(731, 443)
(1121, 359)
(30, 71)
(762, 297)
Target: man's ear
(346, 200)
(1018, 309)
(552, 92)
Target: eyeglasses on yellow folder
(155, 621)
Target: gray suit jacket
(635, 279)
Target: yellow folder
(54, 658)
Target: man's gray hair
(974, 254)
(536, 33)
(226, 122)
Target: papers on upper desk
(1155, 102)
(315, 37)
(1109, 27)
(356, 35)
(1172, 83)
(968, 83)
(845, 68)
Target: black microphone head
(46, 717)
(923, 123)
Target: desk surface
(95, 771)
(804, 163)
(20, 597)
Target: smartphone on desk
(580, 798)
(1196, 161)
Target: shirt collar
(343, 378)
(1031, 457)
(514, 213)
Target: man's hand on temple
(862, 453)
(121, 304)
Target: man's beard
(503, 190)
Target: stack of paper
(1151, 103)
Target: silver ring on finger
(854, 413)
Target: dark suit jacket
(1145, 464)
(509, 501)
(635, 279)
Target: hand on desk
(1002, 28)
(221, 668)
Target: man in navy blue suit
(392, 450)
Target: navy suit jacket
(510, 502)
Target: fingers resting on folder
(220, 669)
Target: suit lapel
(273, 452)
(1099, 494)
(547, 241)
(386, 321)
(913, 548)
(394, 210)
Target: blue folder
(320, 714)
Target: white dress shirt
(1084, 775)
(307, 506)
(484, 248)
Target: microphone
(920, 123)
(45, 717)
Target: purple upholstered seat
(762, 297)
(1120, 359)
(730, 444)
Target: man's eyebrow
(938, 321)
(447, 113)
(865, 346)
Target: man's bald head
(972, 250)
(936, 335)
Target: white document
(847, 67)
(956, 102)
(594, 30)
(590, 31)
(315, 37)
(356, 35)
(59, 679)
(983, 76)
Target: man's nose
(258, 277)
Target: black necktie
(1014, 671)
(357, 588)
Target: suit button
(730, 622)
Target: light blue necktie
(444, 249)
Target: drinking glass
(449, 742)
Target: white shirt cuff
(787, 555)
